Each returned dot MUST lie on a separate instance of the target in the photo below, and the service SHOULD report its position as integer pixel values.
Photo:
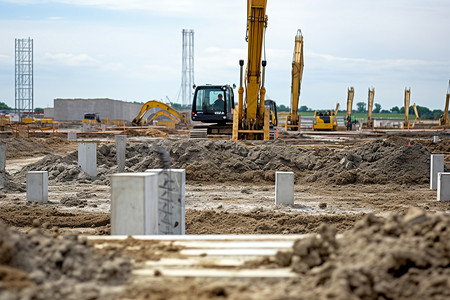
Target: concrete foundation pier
(284, 188)
(103, 126)
(72, 136)
(435, 139)
(87, 158)
(84, 127)
(171, 200)
(37, 186)
(2, 165)
(443, 186)
(121, 146)
(134, 204)
(436, 166)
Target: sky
(131, 50)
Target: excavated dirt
(39, 266)
(32, 147)
(375, 162)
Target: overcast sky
(131, 49)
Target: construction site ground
(374, 180)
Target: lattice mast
(187, 75)
(24, 82)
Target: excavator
(165, 110)
(251, 118)
(350, 95)
(370, 107)
(293, 119)
(406, 106)
(325, 120)
(443, 119)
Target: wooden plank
(218, 273)
(224, 237)
(228, 252)
(236, 244)
(197, 261)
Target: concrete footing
(435, 139)
(443, 186)
(121, 145)
(2, 165)
(37, 186)
(284, 188)
(72, 136)
(103, 126)
(84, 127)
(87, 158)
(134, 204)
(171, 200)
(436, 166)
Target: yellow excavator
(166, 110)
(251, 119)
(406, 106)
(443, 119)
(350, 95)
(293, 119)
(370, 107)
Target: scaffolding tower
(24, 94)
(187, 75)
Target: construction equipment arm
(350, 95)
(297, 74)
(407, 99)
(370, 106)
(152, 104)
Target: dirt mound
(221, 161)
(31, 147)
(150, 132)
(395, 258)
(39, 266)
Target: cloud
(68, 59)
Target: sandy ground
(228, 207)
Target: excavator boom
(350, 95)
(297, 74)
(370, 107)
(153, 104)
(407, 99)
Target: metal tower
(187, 75)
(24, 76)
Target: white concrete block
(171, 200)
(436, 166)
(443, 186)
(284, 188)
(103, 126)
(37, 186)
(84, 127)
(134, 204)
(87, 158)
(435, 139)
(72, 136)
(121, 146)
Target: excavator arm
(407, 100)
(443, 120)
(297, 74)
(350, 95)
(370, 107)
(153, 104)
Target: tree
(282, 108)
(38, 110)
(361, 107)
(395, 110)
(303, 108)
(377, 108)
(3, 105)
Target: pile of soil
(39, 266)
(150, 132)
(401, 257)
(32, 147)
(380, 161)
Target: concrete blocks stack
(2, 165)
(284, 188)
(150, 203)
(121, 145)
(37, 186)
(87, 158)
(134, 204)
(436, 166)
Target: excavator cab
(273, 112)
(213, 104)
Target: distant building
(74, 109)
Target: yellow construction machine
(443, 119)
(251, 119)
(324, 120)
(370, 107)
(91, 118)
(166, 110)
(293, 119)
(406, 106)
(350, 95)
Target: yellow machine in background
(443, 120)
(92, 118)
(251, 118)
(406, 106)
(165, 110)
(325, 120)
(370, 107)
(293, 119)
(350, 95)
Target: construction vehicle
(325, 120)
(370, 107)
(293, 119)
(139, 120)
(350, 95)
(406, 106)
(251, 119)
(443, 119)
(91, 118)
